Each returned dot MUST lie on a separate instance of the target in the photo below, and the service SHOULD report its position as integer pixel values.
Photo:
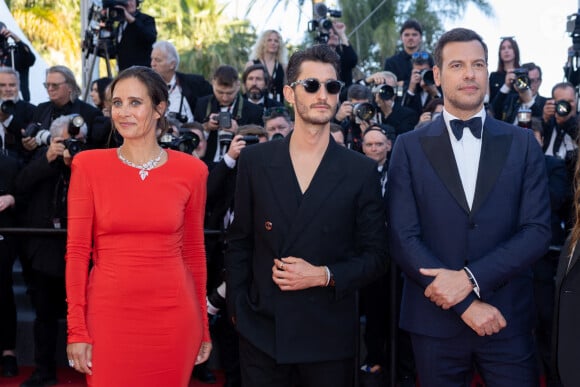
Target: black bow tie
(474, 124)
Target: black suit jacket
(22, 116)
(248, 114)
(338, 222)
(136, 43)
(505, 106)
(566, 333)
(193, 87)
(402, 118)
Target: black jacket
(193, 87)
(136, 43)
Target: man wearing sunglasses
(412, 37)
(308, 231)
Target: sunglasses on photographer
(420, 54)
(311, 85)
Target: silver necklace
(143, 168)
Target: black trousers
(259, 369)
(48, 298)
(7, 303)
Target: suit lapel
(574, 258)
(438, 150)
(494, 151)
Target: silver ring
(71, 363)
(281, 266)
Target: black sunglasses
(311, 85)
(420, 54)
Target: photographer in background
(43, 185)
(16, 54)
(338, 41)
(525, 81)
(421, 88)
(277, 122)
(355, 115)
(560, 124)
(391, 112)
(219, 215)
(256, 80)
(223, 111)
(184, 89)
(135, 36)
(411, 35)
(63, 94)
(15, 114)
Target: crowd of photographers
(215, 120)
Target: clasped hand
(292, 273)
(449, 287)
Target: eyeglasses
(275, 111)
(48, 86)
(535, 80)
(311, 85)
(420, 54)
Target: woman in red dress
(138, 318)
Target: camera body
(177, 116)
(32, 129)
(522, 81)
(7, 106)
(323, 24)
(363, 111)
(250, 139)
(563, 108)
(385, 92)
(186, 142)
(74, 146)
(224, 120)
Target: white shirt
(467, 152)
(175, 100)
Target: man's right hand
(236, 147)
(549, 110)
(212, 123)
(29, 143)
(344, 111)
(483, 318)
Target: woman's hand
(204, 352)
(80, 357)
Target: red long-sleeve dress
(143, 304)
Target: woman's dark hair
(102, 84)
(515, 47)
(156, 89)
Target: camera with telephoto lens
(563, 108)
(32, 129)
(185, 142)
(385, 92)
(73, 144)
(225, 137)
(363, 111)
(277, 136)
(323, 24)
(250, 139)
(7, 106)
(522, 81)
(427, 77)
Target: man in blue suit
(468, 214)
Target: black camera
(113, 13)
(186, 142)
(250, 139)
(74, 146)
(32, 129)
(225, 137)
(385, 92)
(224, 119)
(182, 118)
(522, 81)
(563, 108)
(427, 77)
(277, 136)
(7, 106)
(363, 111)
(323, 24)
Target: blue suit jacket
(431, 225)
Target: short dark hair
(254, 67)
(225, 75)
(532, 66)
(411, 24)
(317, 53)
(357, 91)
(456, 35)
(562, 85)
